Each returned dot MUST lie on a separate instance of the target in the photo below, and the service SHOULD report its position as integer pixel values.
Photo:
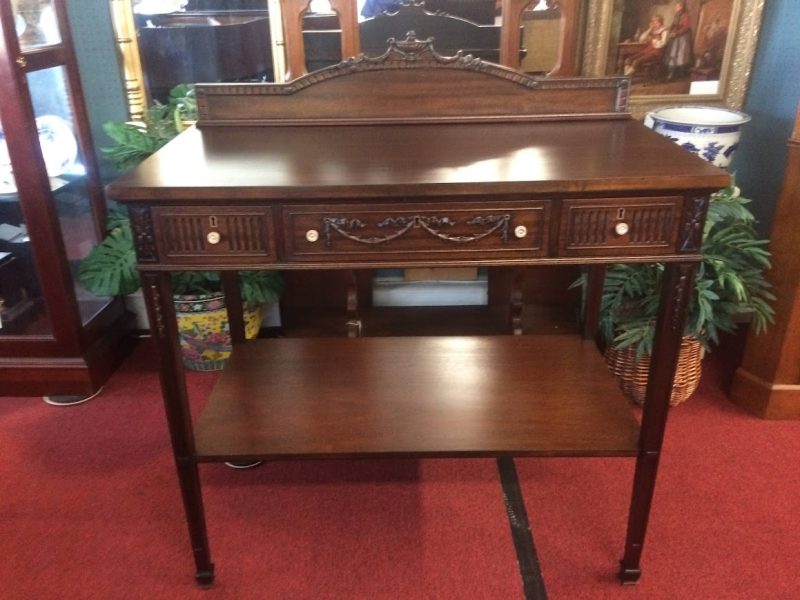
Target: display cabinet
(56, 339)
(767, 383)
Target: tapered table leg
(161, 311)
(516, 302)
(354, 324)
(676, 290)
(594, 292)
(233, 306)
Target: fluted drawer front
(415, 232)
(192, 235)
(613, 225)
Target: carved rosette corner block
(144, 239)
(694, 216)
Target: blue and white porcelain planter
(711, 133)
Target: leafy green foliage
(110, 268)
(730, 282)
(257, 287)
(135, 141)
(261, 287)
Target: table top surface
(393, 161)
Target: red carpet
(90, 508)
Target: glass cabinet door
(22, 307)
(66, 169)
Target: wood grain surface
(416, 396)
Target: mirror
(167, 42)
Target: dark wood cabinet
(767, 382)
(55, 338)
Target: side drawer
(608, 226)
(415, 231)
(192, 235)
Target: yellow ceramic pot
(204, 331)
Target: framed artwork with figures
(675, 51)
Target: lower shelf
(548, 395)
(429, 320)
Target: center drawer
(415, 231)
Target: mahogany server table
(412, 159)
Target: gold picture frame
(602, 38)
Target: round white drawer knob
(621, 228)
(213, 237)
(312, 235)
(520, 231)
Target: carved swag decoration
(432, 225)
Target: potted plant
(135, 141)
(729, 284)
(110, 268)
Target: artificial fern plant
(730, 282)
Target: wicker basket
(632, 375)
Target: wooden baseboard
(80, 375)
(764, 399)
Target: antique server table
(412, 159)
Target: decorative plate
(8, 184)
(59, 147)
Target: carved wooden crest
(515, 93)
(410, 52)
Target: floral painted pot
(711, 133)
(204, 331)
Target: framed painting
(675, 51)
